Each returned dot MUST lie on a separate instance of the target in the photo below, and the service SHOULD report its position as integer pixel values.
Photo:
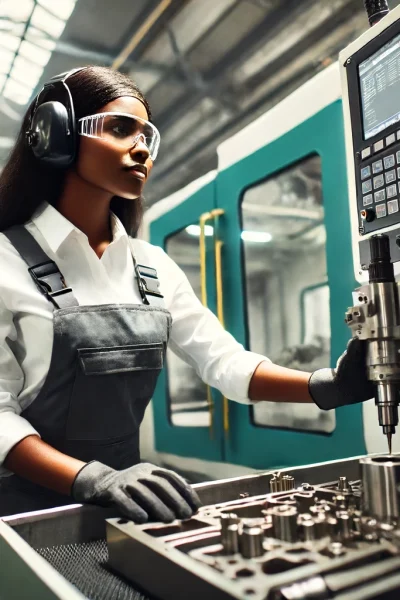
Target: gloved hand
(347, 384)
(141, 493)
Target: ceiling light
(26, 72)
(34, 53)
(9, 41)
(17, 11)
(39, 38)
(195, 230)
(17, 92)
(47, 22)
(260, 237)
(63, 10)
(6, 58)
(6, 142)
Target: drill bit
(389, 439)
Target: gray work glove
(347, 384)
(141, 493)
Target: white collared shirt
(26, 317)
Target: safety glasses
(122, 129)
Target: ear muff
(51, 136)
(52, 129)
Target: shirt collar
(55, 228)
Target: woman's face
(118, 170)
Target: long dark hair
(26, 182)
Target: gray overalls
(103, 371)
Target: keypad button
(378, 146)
(365, 172)
(377, 167)
(367, 186)
(367, 200)
(380, 211)
(380, 196)
(393, 206)
(378, 182)
(389, 162)
(391, 191)
(390, 176)
(398, 156)
(366, 152)
(390, 139)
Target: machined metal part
(381, 481)
(307, 527)
(345, 525)
(281, 483)
(333, 546)
(230, 532)
(251, 542)
(284, 522)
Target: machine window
(287, 293)
(187, 394)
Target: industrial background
(207, 67)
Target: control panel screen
(380, 88)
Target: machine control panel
(374, 90)
(370, 78)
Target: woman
(87, 311)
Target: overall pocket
(111, 390)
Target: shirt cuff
(241, 371)
(13, 429)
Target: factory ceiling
(207, 67)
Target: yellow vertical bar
(220, 314)
(203, 285)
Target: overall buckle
(49, 280)
(150, 281)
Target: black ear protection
(52, 131)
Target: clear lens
(122, 129)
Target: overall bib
(104, 367)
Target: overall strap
(148, 282)
(44, 271)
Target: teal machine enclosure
(317, 144)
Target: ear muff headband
(52, 129)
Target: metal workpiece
(230, 539)
(227, 519)
(307, 527)
(304, 500)
(251, 542)
(281, 483)
(284, 522)
(381, 481)
(230, 533)
(344, 525)
(306, 487)
(341, 502)
(288, 483)
(244, 542)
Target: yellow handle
(213, 214)
(220, 315)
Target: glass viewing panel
(187, 394)
(287, 294)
